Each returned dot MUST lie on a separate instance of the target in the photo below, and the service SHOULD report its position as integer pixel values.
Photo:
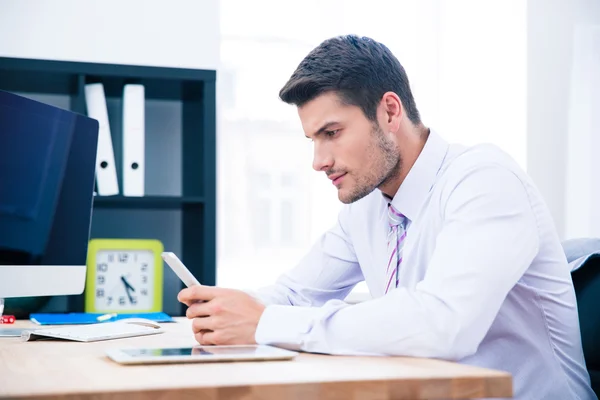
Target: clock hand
(127, 285)
(130, 298)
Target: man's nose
(322, 160)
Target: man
(456, 245)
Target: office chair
(586, 280)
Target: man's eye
(332, 133)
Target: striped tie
(396, 237)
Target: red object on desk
(7, 319)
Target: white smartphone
(180, 270)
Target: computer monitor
(47, 173)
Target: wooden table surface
(53, 369)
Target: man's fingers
(198, 310)
(187, 303)
(200, 336)
(198, 293)
(203, 324)
(209, 338)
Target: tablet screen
(193, 351)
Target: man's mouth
(336, 179)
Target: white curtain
(582, 194)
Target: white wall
(551, 25)
(174, 33)
(482, 73)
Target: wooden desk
(69, 370)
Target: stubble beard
(384, 164)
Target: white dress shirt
(484, 280)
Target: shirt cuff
(285, 326)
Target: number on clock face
(124, 280)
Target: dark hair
(359, 69)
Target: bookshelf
(179, 207)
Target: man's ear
(393, 111)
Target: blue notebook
(92, 318)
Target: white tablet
(199, 354)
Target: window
(466, 63)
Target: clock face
(124, 280)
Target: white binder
(106, 171)
(133, 140)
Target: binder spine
(106, 171)
(133, 140)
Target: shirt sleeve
(328, 271)
(488, 239)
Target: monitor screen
(47, 175)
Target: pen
(106, 317)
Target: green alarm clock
(124, 276)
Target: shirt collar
(420, 179)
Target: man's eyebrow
(323, 128)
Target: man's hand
(221, 316)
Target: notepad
(91, 318)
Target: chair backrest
(586, 280)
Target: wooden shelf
(146, 202)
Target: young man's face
(353, 151)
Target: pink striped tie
(396, 237)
